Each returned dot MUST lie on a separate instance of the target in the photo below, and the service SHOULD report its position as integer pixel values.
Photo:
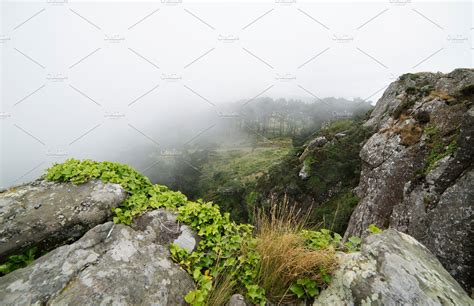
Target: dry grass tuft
(410, 134)
(223, 286)
(284, 256)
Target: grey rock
(304, 172)
(392, 268)
(396, 189)
(166, 228)
(237, 300)
(47, 214)
(112, 264)
(340, 135)
(313, 144)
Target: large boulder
(392, 268)
(417, 167)
(48, 214)
(112, 264)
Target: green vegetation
(229, 176)
(230, 257)
(18, 261)
(374, 229)
(334, 170)
(438, 147)
(334, 214)
(137, 185)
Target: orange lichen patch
(442, 95)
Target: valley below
(336, 203)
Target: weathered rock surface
(237, 300)
(392, 268)
(110, 265)
(417, 172)
(315, 143)
(47, 214)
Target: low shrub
(278, 259)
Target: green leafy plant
(353, 244)
(374, 229)
(142, 194)
(18, 261)
(321, 239)
(229, 257)
(225, 247)
(305, 288)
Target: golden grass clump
(284, 256)
(222, 289)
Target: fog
(127, 81)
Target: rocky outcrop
(112, 264)
(417, 172)
(313, 144)
(47, 214)
(392, 269)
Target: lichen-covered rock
(48, 214)
(315, 143)
(417, 167)
(392, 268)
(237, 300)
(112, 264)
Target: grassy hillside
(333, 170)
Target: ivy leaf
(298, 290)
(312, 291)
(374, 229)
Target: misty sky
(105, 79)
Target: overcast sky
(93, 79)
